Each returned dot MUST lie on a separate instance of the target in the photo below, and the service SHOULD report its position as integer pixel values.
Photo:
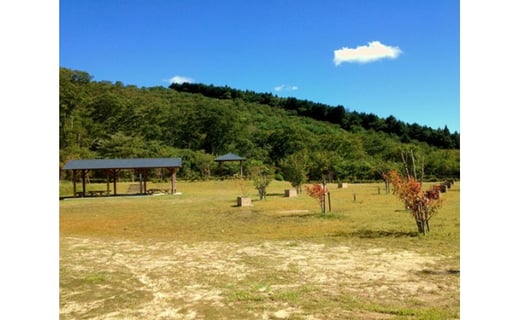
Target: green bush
(278, 177)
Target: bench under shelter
(112, 167)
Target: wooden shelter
(231, 157)
(113, 166)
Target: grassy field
(196, 255)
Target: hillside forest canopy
(197, 122)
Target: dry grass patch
(240, 280)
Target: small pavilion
(231, 157)
(113, 166)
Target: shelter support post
(173, 173)
(74, 182)
(83, 181)
(139, 173)
(107, 174)
(114, 178)
(145, 178)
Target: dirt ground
(107, 279)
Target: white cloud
(180, 80)
(364, 54)
(284, 87)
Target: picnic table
(156, 190)
(93, 193)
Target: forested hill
(348, 120)
(101, 119)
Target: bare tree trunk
(420, 226)
(413, 165)
(422, 170)
(405, 163)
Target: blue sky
(387, 57)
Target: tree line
(348, 120)
(102, 119)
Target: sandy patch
(178, 280)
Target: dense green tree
(120, 146)
(295, 169)
(287, 140)
(195, 164)
(220, 127)
(197, 122)
(326, 165)
(261, 175)
(352, 121)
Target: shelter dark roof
(230, 157)
(123, 163)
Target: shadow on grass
(282, 195)
(440, 272)
(375, 234)
(112, 196)
(299, 215)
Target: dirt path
(216, 280)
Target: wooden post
(145, 178)
(140, 175)
(324, 186)
(354, 197)
(174, 180)
(107, 173)
(114, 177)
(328, 194)
(74, 182)
(83, 184)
